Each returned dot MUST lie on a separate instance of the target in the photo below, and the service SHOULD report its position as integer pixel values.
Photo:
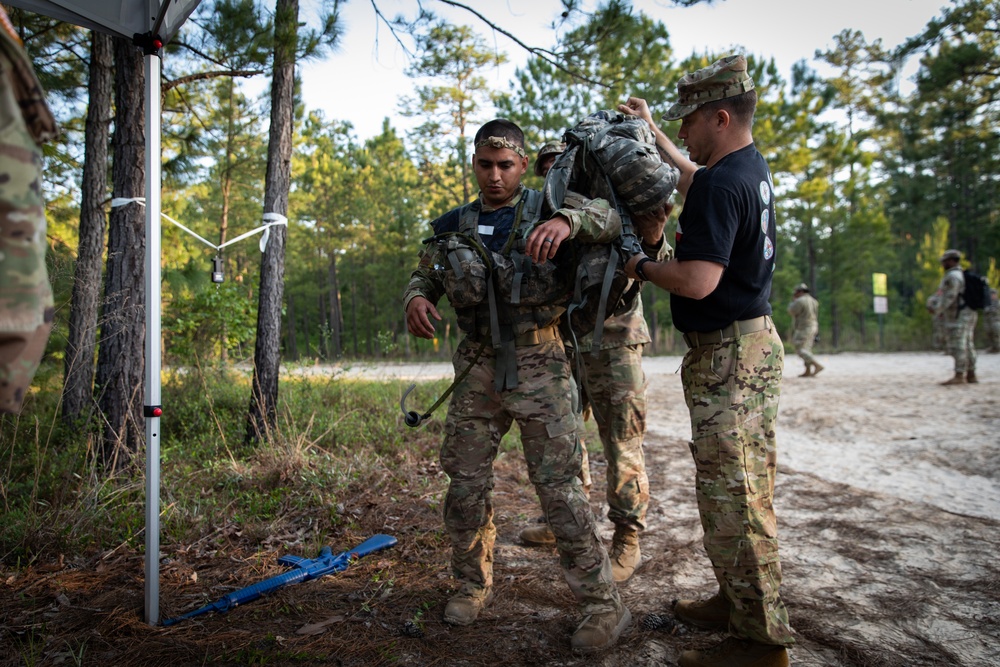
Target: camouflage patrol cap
(951, 254)
(802, 287)
(724, 78)
(551, 148)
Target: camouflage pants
(961, 340)
(732, 391)
(616, 387)
(992, 321)
(478, 417)
(26, 306)
(939, 338)
(803, 342)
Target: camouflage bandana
(500, 142)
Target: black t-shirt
(728, 218)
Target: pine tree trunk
(292, 344)
(336, 316)
(81, 343)
(267, 353)
(121, 357)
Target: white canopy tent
(150, 24)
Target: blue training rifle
(304, 569)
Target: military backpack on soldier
(610, 156)
(977, 291)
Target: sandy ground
(888, 500)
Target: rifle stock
(305, 569)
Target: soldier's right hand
(637, 107)
(418, 317)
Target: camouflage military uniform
(616, 388)
(991, 315)
(732, 390)
(938, 335)
(805, 326)
(541, 404)
(26, 306)
(960, 322)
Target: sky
(363, 81)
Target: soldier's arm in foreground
(588, 220)
(422, 293)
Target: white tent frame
(150, 24)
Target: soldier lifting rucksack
(610, 156)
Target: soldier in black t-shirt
(720, 282)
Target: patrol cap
(802, 287)
(551, 148)
(951, 254)
(726, 77)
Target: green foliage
(212, 323)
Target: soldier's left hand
(545, 239)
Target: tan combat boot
(600, 631)
(624, 553)
(958, 379)
(970, 377)
(710, 614)
(538, 536)
(735, 652)
(464, 608)
(808, 372)
(817, 368)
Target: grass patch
(334, 435)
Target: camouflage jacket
(805, 311)
(952, 286)
(591, 221)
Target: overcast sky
(364, 79)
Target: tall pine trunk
(336, 316)
(121, 357)
(267, 352)
(82, 337)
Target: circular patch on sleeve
(765, 217)
(765, 192)
(768, 248)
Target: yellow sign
(879, 285)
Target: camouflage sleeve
(425, 280)
(590, 220)
(26, 305)
(660, 252)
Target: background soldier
(960, 322)
(991, 315)
(511, 366)
(26, 306)
(805, 325)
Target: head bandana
(500, 142)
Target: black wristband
(638, 268)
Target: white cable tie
(122, 201)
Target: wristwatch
(638, 268)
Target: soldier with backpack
(614, 387)
(493, 259)
(959, 318)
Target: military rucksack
(977, 291)
(610, 156)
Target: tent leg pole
(151, 407)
